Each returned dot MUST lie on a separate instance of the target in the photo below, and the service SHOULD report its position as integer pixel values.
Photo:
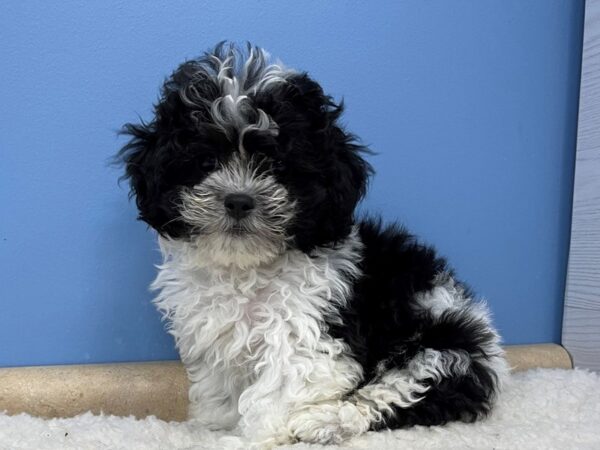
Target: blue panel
(471, 106)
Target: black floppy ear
(328, 173)
(144, 168)
(160, 156)
(343, 185)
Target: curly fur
(296, 322)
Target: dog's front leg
(322, 413)
(299, 407)
(264, 419)
(213, 396)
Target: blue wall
(471, 105)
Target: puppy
(294, 320)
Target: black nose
(239, 206)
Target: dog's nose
(239, 206)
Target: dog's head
(244, 159)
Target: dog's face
(245, 159)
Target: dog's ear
(143, 157)
(327, 170)
(162, 155)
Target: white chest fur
(261, 329)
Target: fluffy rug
(540, 409)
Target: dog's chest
(244, 317)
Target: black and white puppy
(293, 320)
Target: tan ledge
(157, 388)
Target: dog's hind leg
(436, 386)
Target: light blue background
(471, 105)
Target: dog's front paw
(327, 422)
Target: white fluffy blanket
(541, 409)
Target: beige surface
(139, 389)
(523, 357)
(159, 389)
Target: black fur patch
(380, 324)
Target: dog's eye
(209, 163)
